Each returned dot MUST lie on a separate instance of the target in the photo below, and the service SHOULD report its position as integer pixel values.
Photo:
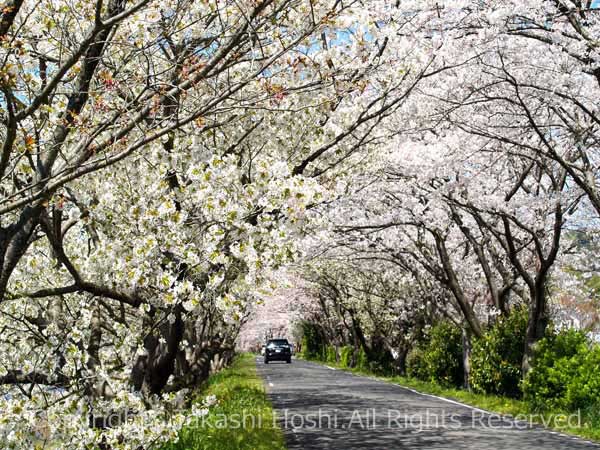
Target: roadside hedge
(565, 374)
(362, 361)
(346, 354)
(496, 357)
(313, 343)
(564, 377)
(439, 358)
(330, 354)
(416, 365)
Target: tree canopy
(162, 161)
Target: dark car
(278, 350)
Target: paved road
(322, 408)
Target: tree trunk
(467, 347)
(152, 370)
(14, 241)
(359, 336)
(401, 360)
(536, 325)
(454, 285)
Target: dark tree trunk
(152, 370)
(359, 336)
(536, 325)
(467, 347)
(14, 241)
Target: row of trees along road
(157, 162)
(478, 200)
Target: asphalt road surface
(322, 408)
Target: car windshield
(277, 343)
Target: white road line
(414, 391)
(331, 368)
(447, 400)
(558, 433)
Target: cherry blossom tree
(158, 164)
(379, 310)
(162, 162)
(529, 90)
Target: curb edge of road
(455, 402)
(506, 416)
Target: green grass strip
(589, 429)
(241, 399)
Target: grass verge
(240, 395)
(588, 428)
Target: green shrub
(444, 354)
(362, 362)
(331, 355)
(416, 367)
(381, 361)
(382, 367)
(583, 392)
(439, 359)
(312, 341)
(497, 357)
(564, 374)
(346, 354)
